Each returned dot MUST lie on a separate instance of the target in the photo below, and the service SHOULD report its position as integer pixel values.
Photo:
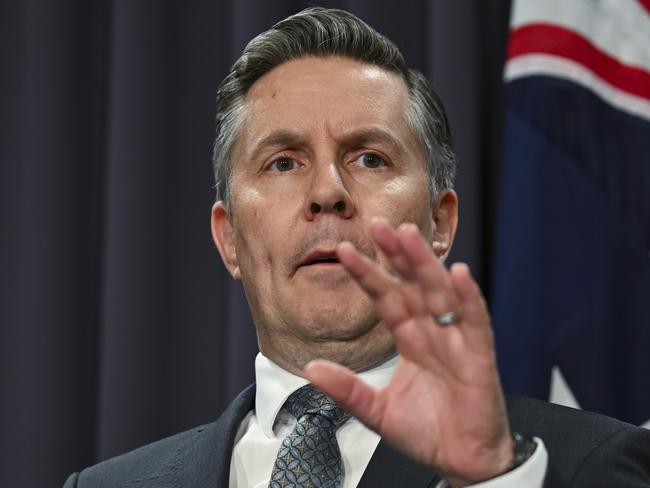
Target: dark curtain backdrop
(118, 323)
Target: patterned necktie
(309, 456)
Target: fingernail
(345, 244)
(409, 227)
(379, 221)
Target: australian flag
(571, 294)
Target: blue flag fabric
(572, 281)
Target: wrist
(521, 448)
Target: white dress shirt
(261, 432)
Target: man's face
(323, 149)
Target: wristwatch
(523, 447)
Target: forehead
(332, 95)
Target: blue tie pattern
(309, 456)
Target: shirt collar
(274, 385)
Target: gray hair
(323, 32)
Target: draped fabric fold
(118, 323)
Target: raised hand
(444, 407)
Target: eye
(283, 164)
(371, 161)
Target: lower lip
(321, 266)
(327, 275)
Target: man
(336, 210)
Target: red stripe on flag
(558, 41)
(645, 4)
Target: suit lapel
(388, 468)
(204, 462)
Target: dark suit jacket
(585, 450)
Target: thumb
(347, 389)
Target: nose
(327, 193)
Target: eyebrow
(276, 138)
(356, 137)
(376, 135)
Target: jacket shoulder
(154, 464)
(555, 422)
(195, 458)
(584, 448)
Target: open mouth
(320, 259)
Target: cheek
(407, 199)
(260, 235)
(247, 230)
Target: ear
(222, 234)
(445, 222)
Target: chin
(338, 323)
(357, 346)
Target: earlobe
(222, 234)
(440, 249)
(445, 221)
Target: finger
(439, 293)
(413, 337)
(428, 269)
(346, 389)
(376, 282)
(470, 294)
(387, 240)
(475, 312)
(428, 293)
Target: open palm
(444, 407)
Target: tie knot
(310, 400)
